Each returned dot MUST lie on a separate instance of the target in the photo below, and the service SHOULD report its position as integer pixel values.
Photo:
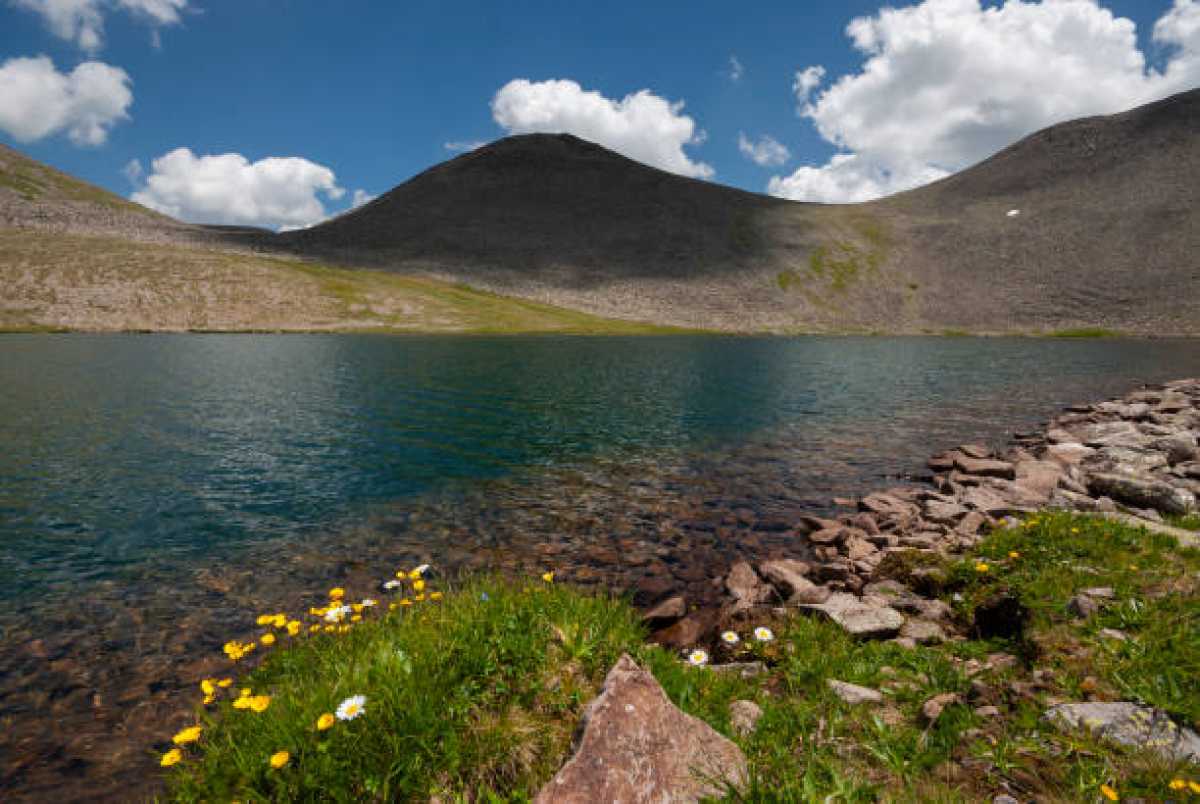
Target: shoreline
(1135, 458)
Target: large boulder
(636, 746)
(744, 585)
(1141, 492)
(1129, 724)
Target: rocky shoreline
(1136, 458)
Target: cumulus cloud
(36, 100)
(360, 197)
(82, 21)
(806, 81)
(946, 83)
(642, 126)
(462, 146)
(228, 188)
(767, 152)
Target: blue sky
(372, 92)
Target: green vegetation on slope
(34, 181)
(77, 282)
(476, 696)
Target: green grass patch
(1189, 522)
(1085, 332)
(474, 698)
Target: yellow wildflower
(279, 759)
(268, 639)
(1194, 787)
(246, 692)
(293, 627)
(1177, 784)
(415, 574)
(337, 593)
(208, 699)
(325, 721)
(405, 602)
(981, 567)
(1014, 554)
(279, 620)
(435, 595)
(418, 585)
(314, 627)
(548, 577)
(171, 757)
(1109, 793)
(263, 619)
(225, 682)
(356, 608)
(354, 618)
(391, 606)
(259, 703)
(189, 735)
(419, 598)
(327, 628)
(207, 686)
(343, 629)
(242, 703)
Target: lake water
(156, 491)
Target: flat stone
(1113, 633)
(1100, 592)
(1040, 477)
(977, 451)
(1143, 492)
(859, 619)
(988, 502)
(1112, 434)
(886, 505)
(743, 717)
(1057, 435)
(946, 513)
(1133, 460)
(923, 632)
(1069, 454)
(667, 612)
(788, 577)
(970, 524)
(636, 746)
(852, 693)
(984, 467)
(859, 548)
(833, 535)
(1129, 724)
(932, 709)
(743, 584)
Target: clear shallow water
(168, 485)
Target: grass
(1085, 332)
(76, 282)
(471, 699)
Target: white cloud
(806, 81)
(82, 21)
(767, 152)
(641, 126)
(463, 145)
(946, 83)
(36, 100)
(228, 188)
(736, 70)
(361, 197)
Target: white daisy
(337, 614)
(698, 658)
(763, 634)
(730, 638)
(352, 707)
(368, 602)
(392, 584)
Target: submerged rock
(1129, 724)
(636, 746)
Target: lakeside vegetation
(475, 695)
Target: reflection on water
(156, 491)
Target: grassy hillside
(82, 282)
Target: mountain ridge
(1106, 236)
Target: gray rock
(1082, 606)
(1039, 477)
(1177, 448)
(970, 524)
(923, 632)
(1069, 454)
(1112, 434)
(1100, 592)
(788, 577)
(743, 717)
(742, 669)
(977, 451)
(1114, 634)
(1142, 492)
(1132, 460)
(637, 746)
(858, 619)
(1057, 435)
(1004, 798)
(946, 513)
(1129, 724)
(858, 548)
(987, 711)
(852, 693)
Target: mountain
(1105, 234)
